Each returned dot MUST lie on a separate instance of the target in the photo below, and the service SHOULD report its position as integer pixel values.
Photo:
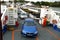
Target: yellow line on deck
(53, 34)
(13, 35)
(37, 38)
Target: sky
(39, 0)
(43, 0)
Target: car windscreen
(28, 23)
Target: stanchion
(1, 35)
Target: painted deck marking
(53, 34)
(37, 38)
(13, 35)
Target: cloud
(43, 0)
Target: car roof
(29, 19)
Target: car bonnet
(30, 29)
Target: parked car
(19, 11)
(29, 28)
(23, 15)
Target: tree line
(51, 4)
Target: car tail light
(17, 24)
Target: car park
(29, 28)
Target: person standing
(44, 21)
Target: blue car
(29, 28)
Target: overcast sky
(43, 0)
(40, 0)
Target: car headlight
(36, 32)
(24, 32)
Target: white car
(23, 15)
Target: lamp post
(1, 36)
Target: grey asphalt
(46, 33)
